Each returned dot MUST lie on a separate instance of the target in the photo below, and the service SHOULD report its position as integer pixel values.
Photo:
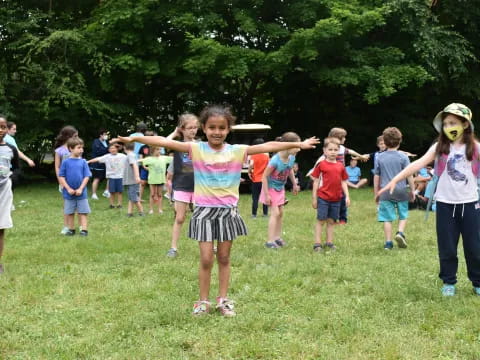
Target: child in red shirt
(326, 198)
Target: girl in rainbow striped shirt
(217, 167)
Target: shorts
(328, 209)
(355, 182)
(6, 199)
(115, 185)
(221, 224)
(133, 192)
(277, 197)
(183, 196)
(388, 209)
(98, 174)
(80, 206)
(143, 174)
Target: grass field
(115, 295)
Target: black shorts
(98, 174)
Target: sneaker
(141, 214)
(172, 253)
(160, 212)
(225, 306)
(401, 240)
(129, 215)
(330, 246)
(476, 290)
(64, 230)
(448, 290)
(254, 216)
(84, 233)
(119, 206)
(94, 197)
(318, 247)
(280, 242)
(70, 232)
(388, 245)
(1, 269)
(111, 207)
(150, 212)
(201, 308)
(271, 245)
(106, 194)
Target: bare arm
(358, 156)
(411, 183)
(276, 146)
(136, 173)
(291, 175)
(266, 173)
(63, 183)
(316, 182)
(25, 158)
(174, 134)
(157, 141)
(345, 191)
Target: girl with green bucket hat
(456, 156)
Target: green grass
(115, 295)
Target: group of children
(208, 174)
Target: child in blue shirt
(354, 175)
(73, 176)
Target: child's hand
(363, 158)
(71, 191)
(137, 180)
(78, 192)
(314, 203)
(309, 143)
(268, 200)
(347, 201)
(389, 187)
(295, 189)
(411, 195)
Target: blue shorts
(133, 192)
(387, 210)
(115, 185)
(328, 209)
(143, 174)
(80, 206)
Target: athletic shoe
(330, 246)
(112, 206)
(1, 269)
(119, 206)
(172, 253)
(150, 212)
(129, 215)
(201, 308)
(141, 214)
(318, 248)
(84, 233)
(106, 194)
(448, 290)
(476, 290)
(271, 245)
(94, 197)
(225, 306)
(280, 242)
(70, 232)
(254, 216)
(388, 245)
(64, 230)
(401, 240)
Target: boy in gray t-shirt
(390, 163)
(131, 180)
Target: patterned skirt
(222, 224)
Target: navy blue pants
(453, 220)
(256, 189)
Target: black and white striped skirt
(222, 224)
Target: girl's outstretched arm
(157, 141)
(426, 159)
(276, 146)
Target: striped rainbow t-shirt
(217, 174)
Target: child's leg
(119, 199)
(71, 221)
(272, 223)
(318, 231)
(180, 211)
(83, 221)
(112, 199)
(143, 184)
(2, 239)
(223, 259)
(205, 270)
(471, 242)
(387, 230)
(139, 206)
(330, 228)
(278, 229)
(160, 198)
(130, 207)
(152, 197)
(401, 225)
